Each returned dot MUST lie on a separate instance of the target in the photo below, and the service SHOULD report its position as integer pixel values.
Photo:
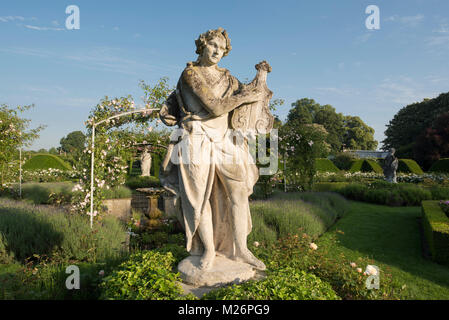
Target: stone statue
(145, 162)
(216, 175)
(390, 166)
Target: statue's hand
(251, 94)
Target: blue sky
(318, 49)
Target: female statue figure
(145, 162)
(390, 166)
(216, 175)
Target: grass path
(391, 237)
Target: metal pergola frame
(149, 111)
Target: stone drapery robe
(206, 155)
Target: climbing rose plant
(300, 145)
(13, 135)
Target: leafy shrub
(344, 160)
(287, 213)
(325, 165)
(381, 192)
(439, 193)
(144, 276)
(441, 165)
(142, 182)
(328, 186)
(283, 284)
(365, 165)
(30, 230)
(179, 252)
(436, 231)
(44, 279)
(445, 207)
(292, 257)
(46, 161)
(120, 192)
(409, 166)
(48, 193)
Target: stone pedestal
(172, 207)
(224, 271)
(154, 214)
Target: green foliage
(144, 276)
(439, 193)
(46, 161)
(358, 135)
(283, 284)
(301, 144)
(409, 166)
(48, 175)
(325, 165)
(441, 165)
(436, 231)
(115, 147)
(120, 192)
(386, 193)
(289, 213)
(293, 257)
(412, 120)
(74, 142)
(365, 165)
(13, 135)
(48, 193)
(142, 182)
(433, 143)
(28, 230)
(329, 186)
(344, 160)
(342, 130)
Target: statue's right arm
(215, 105)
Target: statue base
(224, 271)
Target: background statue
(390, 166)
(214, 193)
(145, 162)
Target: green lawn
(391, 237)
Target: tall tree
(358, 135)
(347, 130)
(411, 121)
(433, 143)
(74, 142)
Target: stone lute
(255, 116)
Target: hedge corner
(436, 231)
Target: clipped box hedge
(409, 166)
(325, 165)
(441, 165)
(365, 165)
(436, 231)
(45, 162)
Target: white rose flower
(371, 270)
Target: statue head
(392, 151)
(213, 45)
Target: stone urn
(153, 214)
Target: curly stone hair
(209, 35)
